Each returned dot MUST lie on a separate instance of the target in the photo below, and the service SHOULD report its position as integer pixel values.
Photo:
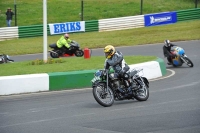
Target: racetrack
(173, 105)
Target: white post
(45, 31)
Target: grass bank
(188, 30)
(30, 12)
(68, 64)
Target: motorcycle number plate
(95, 79)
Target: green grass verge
(30, 12)
(188, 30)
(69, 64)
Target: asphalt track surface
(173, 105)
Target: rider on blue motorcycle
(166, 50)
(115, 59)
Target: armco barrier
(8, 33)
(67, 80)
(121, 23)
(94, 25)
(189, 14)
(32, 31)
(91, 26)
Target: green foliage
(63, 65)
(49, 61)
(30, 12)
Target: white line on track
(172, 74)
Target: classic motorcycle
(5, 59)
(74, 50)
(105, 84)
(180, 57)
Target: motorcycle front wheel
(54, 54)
(189, 62)
(79, 53)
(105, 99)
(142, 94)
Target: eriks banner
(59, 28)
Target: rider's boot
(121, 90)
(168, 63)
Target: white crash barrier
(151, 69)
(24, 84)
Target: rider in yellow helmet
(115, 59)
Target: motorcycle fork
(140, 82)
(106, 90)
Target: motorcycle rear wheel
(103, 98)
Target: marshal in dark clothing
(9, 15)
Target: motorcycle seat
(52, 45)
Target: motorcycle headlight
(98, 73)
(113, 76)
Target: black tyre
(79, 53)
(54, 54)
(103, 98)
(142, 94)
(189, 62)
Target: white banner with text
(59, 28)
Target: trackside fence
(101, 25)
(31, 31)
(121, 23)
(190, 14)
(8, 33)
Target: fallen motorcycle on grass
(5, 59)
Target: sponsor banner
(59, 28)
(160, 18)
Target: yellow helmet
(109, 50)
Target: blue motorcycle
(180, 57)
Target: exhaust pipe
(53, 52)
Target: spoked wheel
(79, 53)
(105, 99)
(54, 54)
(142, 94)
(189, 62)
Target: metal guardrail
(94, 25)
(190, 14)
(8, 33)
(121, 23)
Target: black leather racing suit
(167, 53)
(119, 65)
